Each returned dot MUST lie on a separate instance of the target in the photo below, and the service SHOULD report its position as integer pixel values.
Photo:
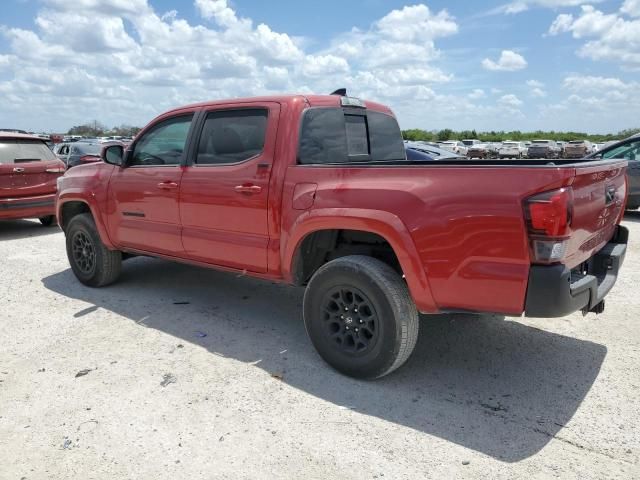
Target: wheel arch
(373, 223)
(67, 208)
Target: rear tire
(91, 261)
(360, 317)
(48, 220)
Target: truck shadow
(489, 384)
(16, 229)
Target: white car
(454, 146)
(512, 150)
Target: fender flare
(89, 201)
(384, 224)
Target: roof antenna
(341, 91)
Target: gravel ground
(180, 372)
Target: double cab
(317, 191)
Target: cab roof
(311, 100)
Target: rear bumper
(27, 207)
(556, 291)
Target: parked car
(61, 150)
(511, 149)
(577, 149)
(28, 174)
(424, 148)
(629, 150)
(479, 150)
(454, 146)
(82, 152)
(561, 145)
(471, 142)
(543, 149)
(216, 184)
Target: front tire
(48, 220)
(91, 261)
(360, 317)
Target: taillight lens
(89, 158)
(548, 218)
(549, 213)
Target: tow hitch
(597, 309)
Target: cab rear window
(19, 151)
(336, 135)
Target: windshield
(17, 150)
(86, 149)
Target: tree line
(97, 129)
(417, 134)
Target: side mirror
(113, 155)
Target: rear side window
(18, 150)
(232, 136)
(334, 135)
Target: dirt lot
(180, 372)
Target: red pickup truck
(317, 191)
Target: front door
(225, 187)
(145, 192)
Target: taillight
(89, 158)
(548, 217)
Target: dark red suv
(28, 175)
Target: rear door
(225, 187)
(144, 193)
(27, 168)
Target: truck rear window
(335, 135)
(16, 151)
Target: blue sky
(520, 64)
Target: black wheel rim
(350, 320)
(84, 253)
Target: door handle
(249, 189)
(167, 185)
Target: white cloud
(631, 8)
(509, 61)
(577, 83)
(519, 6)
(610, 37)
(536, 89)
(476, 94)
(510, 100)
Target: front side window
(629, 151)
(163, 144)
(332, 135)
(232, 136)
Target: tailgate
(599, 193)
